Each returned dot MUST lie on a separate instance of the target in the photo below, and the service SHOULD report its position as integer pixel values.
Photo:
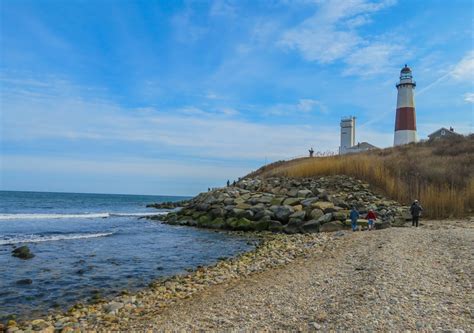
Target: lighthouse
(405, 121)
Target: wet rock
(22, 252)
(24, 282)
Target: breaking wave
(35, 238)
(70, 216)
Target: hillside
(438, 173)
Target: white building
(348, 143)
(347, 134)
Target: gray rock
(292, 192)
(294, 226)
(298, 215)
(325, 218)
(382, 225)
(308, 202)
(291, 201)
(228, 201)
(304, 193)
(203, 207)
(282, 213)
(23, 252)
(275, 226)
(24, 282)
(316, 214)
(113, 307)
(311, 226)
(332, 226)
(217, 212)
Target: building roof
(363, 146)
(438, 132)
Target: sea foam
(35, 238)
(70, 216)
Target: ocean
(93, 244)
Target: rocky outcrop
(286, 205)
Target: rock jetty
(288, 205)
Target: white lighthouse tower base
(403, 137)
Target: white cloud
(469, 97)
(464, 69)
(372, 59)
(222, 8)
(188, 131)
(305, 105)
(330, 35)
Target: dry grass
(439, 174)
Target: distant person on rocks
(354, 215)
(311, 152)
(228, 183)
(233, 184)
(415, 211)
(371, 217)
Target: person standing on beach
(371, 217)
(354, 215)
(415, 211)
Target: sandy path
(394, 279)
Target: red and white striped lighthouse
(405, 121)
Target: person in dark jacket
(354, 215)
(415, 211)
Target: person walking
(371, 217)
(415, 211)
(354, 215)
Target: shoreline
(271, 251)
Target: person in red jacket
(371, 217)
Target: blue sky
(172, 97)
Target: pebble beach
(384, 280)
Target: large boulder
(332, 226)
(325, 218)
(304, 193)
(275, 226)
(382, 224)
(282, 213)
(340, 216)
(294, 226)
(316, 214)
(264, 214)
(323, 205)
(311, 226)
(308, 202)
(298, 215)
(292, 201)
